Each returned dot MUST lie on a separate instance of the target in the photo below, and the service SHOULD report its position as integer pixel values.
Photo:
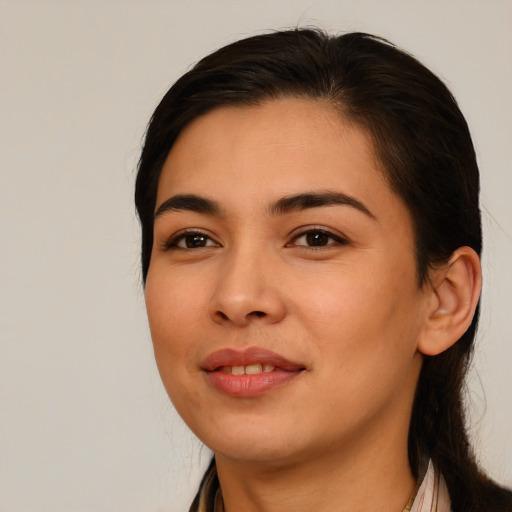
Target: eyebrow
(309, 200)
(284, 205)
(189, 202)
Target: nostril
(223, 315)
(254, 314)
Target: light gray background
(84, 422)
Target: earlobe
(455, 290)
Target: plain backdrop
(84, 422)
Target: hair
(424, 147)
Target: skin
(350, 311)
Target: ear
(452, 300)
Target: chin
(253, 443)
(268, 454)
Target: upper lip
(251, 355)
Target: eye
(318, 238)
(190, 240)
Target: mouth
(249, 373)
(250, 369)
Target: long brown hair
(423, 143)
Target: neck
(359, 479)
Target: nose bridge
(246, 290)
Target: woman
(310, 251)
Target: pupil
(316, 239)
(196, 241)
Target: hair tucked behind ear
(423, 144)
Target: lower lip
(244, 386)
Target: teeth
(237, 370)
(250, 369)
(253, 369)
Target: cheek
(357, 316)
(172, 316)
(173, 310)
(174, 299)
(366, 337)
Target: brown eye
(192, 240)
(317, 238)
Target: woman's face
(282, 293)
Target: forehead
(278, 148)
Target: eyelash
(338, 240)
(172, 243)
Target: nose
(248, 291)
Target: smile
(249, 373)
(250, 369)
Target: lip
(251, 355)
(244, 386)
